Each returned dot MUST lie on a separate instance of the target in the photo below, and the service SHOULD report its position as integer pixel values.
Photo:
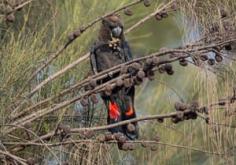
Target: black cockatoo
(109, 50)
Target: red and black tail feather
(129, 113)
(114, 110)
(120, 107)
(113, 114)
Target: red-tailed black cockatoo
(109, 50)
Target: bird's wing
(93, 58)
(127, 51)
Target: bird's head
(112, 28)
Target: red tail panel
(114, 112)
(130, 111)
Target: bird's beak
(116, 32)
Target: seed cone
(64, 131)
(128, 12)
(174, 6)
(141, 74)
(120, 137)
(119, 82)
(211, 61)
(131, 146)
(180, 106)
(204, 57)
(223, 13)
(30, 161)
(71, 37)
(149, 61)
(144, 145)
(157, 138)
(168, 67)
(10, 18)
(84, 102)
(160, 120)
(77, 33)
(154, 148)
(93, 83)
(108, 90)
(158, 17)
(218, 58)
(101, 138)
(94, 98)
(195, 104)
(109, 137)
(183, 62)
(147, 3)
(228, 47)
(123, 69)
(136, 66)
(222, 103)
(161, 69)
(155, 60)
(171, 72)
(130, 127)
(175, 120)
(138, 81)
(164, 14)
(127, 83)
(180, 116)
(204, 110)
(87, 134)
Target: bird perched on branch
(109, 50)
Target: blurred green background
(42, 27)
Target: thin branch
(151, 15)
(37, 137)
(117, 68)
(20, 6)
(81, 30)
(84, 57)
(14, 157)
(99, 128)
(189, 109)
(114, 141)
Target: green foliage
(43, 26)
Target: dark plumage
(109, 50)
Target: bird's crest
(113, 18)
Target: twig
(84, 57)
(146, 118)
(99, 128)
(14, 157)
(21, 6)
(81, 30)
(117, 68)
(34, 134)
(114, 141)
(142, 21)
(43, 112)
